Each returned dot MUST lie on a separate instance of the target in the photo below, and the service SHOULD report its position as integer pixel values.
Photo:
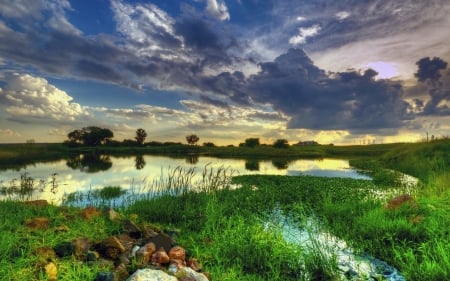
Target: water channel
(87, 172)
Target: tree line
(96, 136)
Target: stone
(105, 276)
(160, 257)
(45, 253)
(131, 229)
(126, 241)
(89, 213)
(51, 271)
(401, 200)
(113, 242)
(64, 249)
(194, 264)
(111, 214)
(162, 240)
(81, 246)
(92, 256)
(177, 253)
(144, 253)
(39, 223)
(62, 228)
(147, 274)
(121, 272)
(190, 273)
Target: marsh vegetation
(224, 221)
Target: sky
(341, 72)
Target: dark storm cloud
(433, 74)
(313, 100)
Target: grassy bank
(225, 228)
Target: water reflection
(90, 163)
(139, 171)
(139, 162)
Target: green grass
(224, 228)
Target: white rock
(189, 272)
(147, 274)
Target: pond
(90, 172)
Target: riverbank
(224, 228)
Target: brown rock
(81, 246)
(401, 200)
(121, 272)
(131, 229)
(38, 223)
(162, 240)
(62, 228)
(194, 264)
(177, 253)
(89, 212)
(113, 242)
(45, 253)
(112, 253)
(126, 241)
(144, 254)
(160, 257)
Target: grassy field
(224, 227)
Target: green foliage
(251, 142)
(281, 143)
(141, 134)
(192, 139)
(90, 136)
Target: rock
(40, 223)
(402, 200)
(162, 240)
(113, 242)
(92, 256)
(160, 257)
(190, 273)
(126, 241)
(105, 276)
(121, 272)
(177, 253)
(194, 264)
(151, 275)
(81, 246)
(45, 253)
(144, 254)
(131, 229)
(111, 214)
(64, 249)
(62, 228)
(89, 212)
(51, 271)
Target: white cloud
(52, 12)
(217, 9)
(28, 96)
(342, 15)
(303, 34)
(8, 133)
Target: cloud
(342, 15)
(294, 86)
(303, 34)
(429, 69)
(217, 9)
(29, 97)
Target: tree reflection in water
(139, 162)
(90, 163)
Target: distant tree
(251, 142)
(192, 139)
(281, 143)
(209, 144)
(141, 134)
(91, 136)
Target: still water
(93, 172)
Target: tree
(141, 134)
(251, 142)
(91, 136)
(281, 143)
(192, 139)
